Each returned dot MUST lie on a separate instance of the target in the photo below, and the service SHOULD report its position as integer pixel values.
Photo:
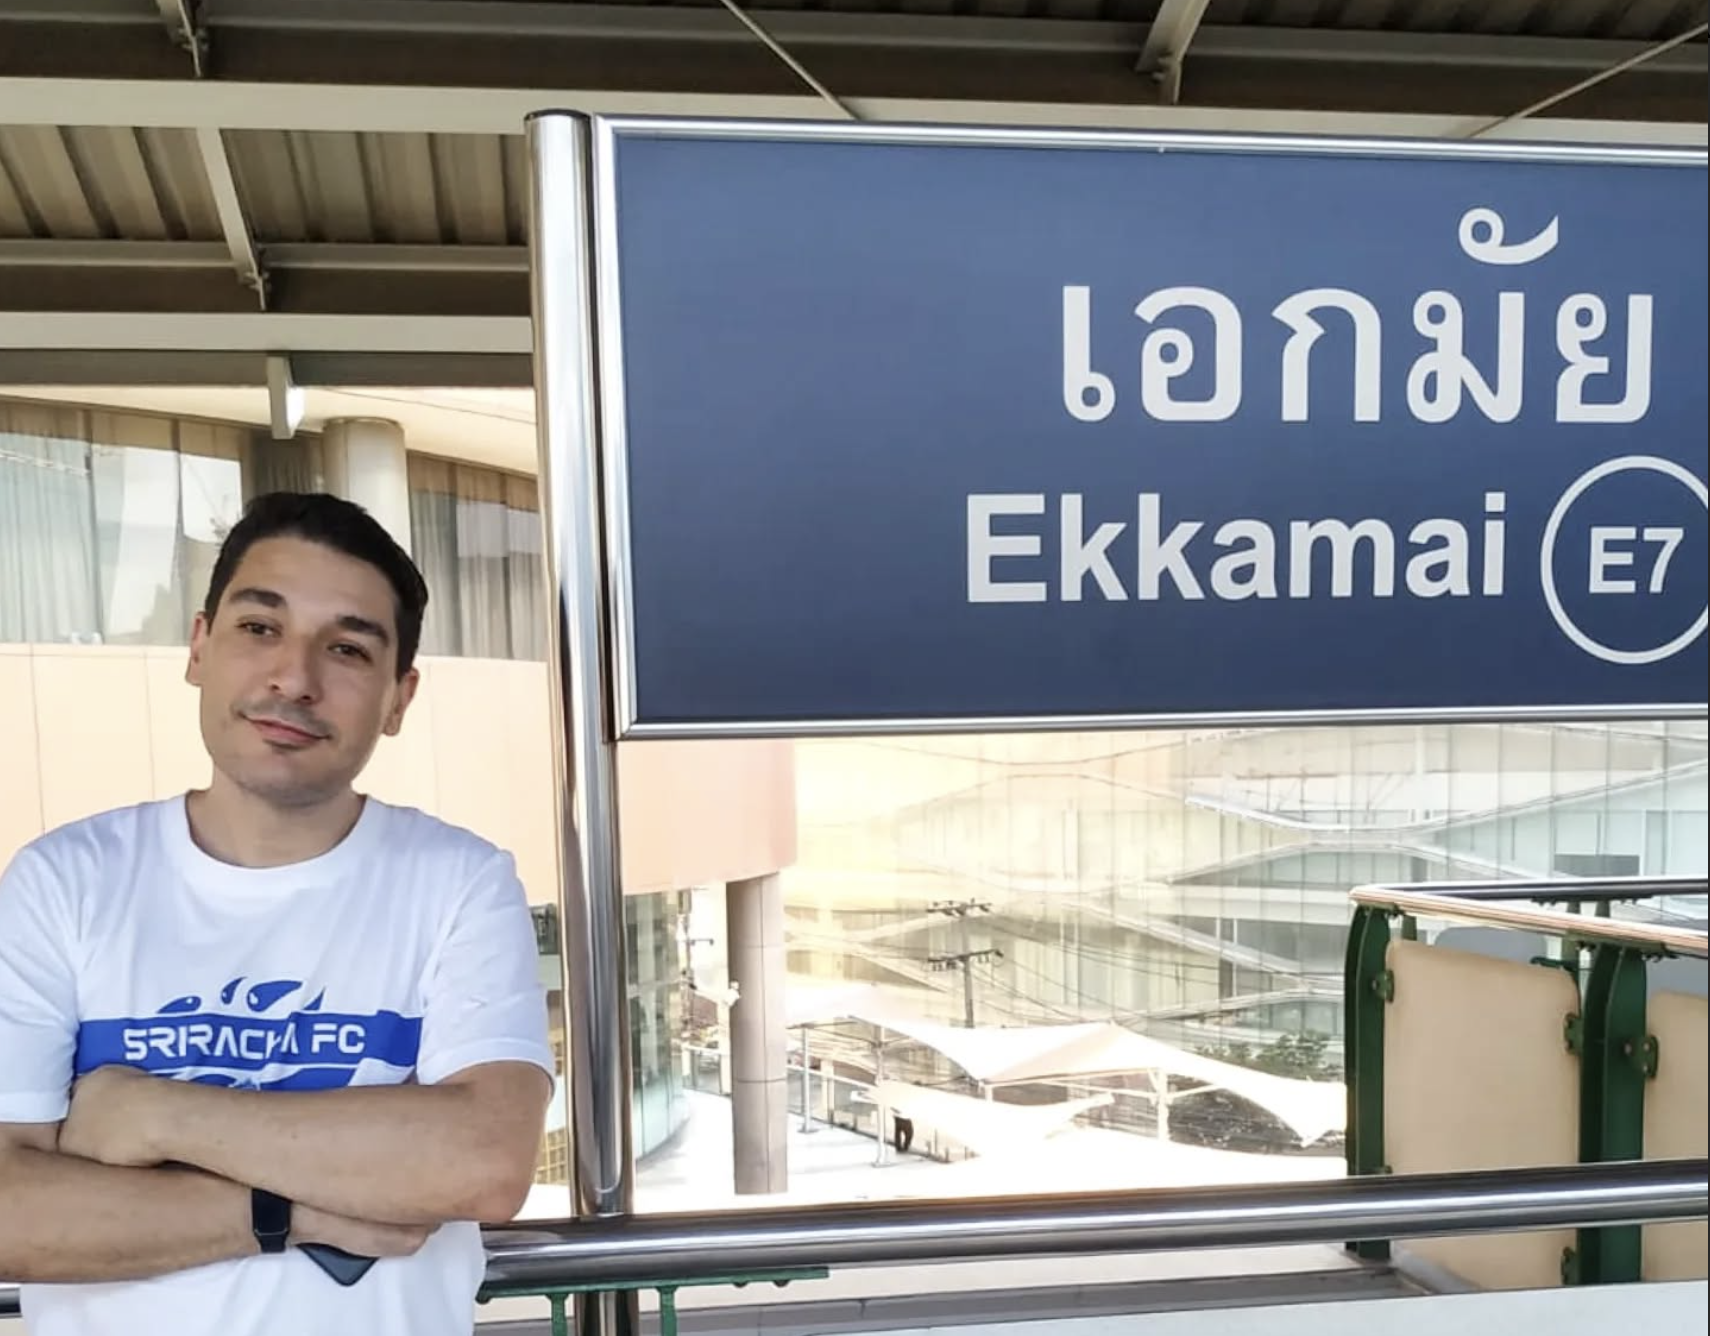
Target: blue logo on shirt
(305, 1049)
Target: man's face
(298, 671)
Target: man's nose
(296, 671)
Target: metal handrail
(679, 1248)
(1559, 890)
(1497, 904)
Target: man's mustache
(292, 716)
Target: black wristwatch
(269, 1220)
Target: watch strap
(270, 1219)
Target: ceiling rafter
(183, 24)
(234, 226)
(1167, 43)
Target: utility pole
(965, 958)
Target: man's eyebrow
(271, 598)
(363, 627)
(268, 598)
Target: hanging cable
(1633, 62)
(796, 67)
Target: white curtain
(49, 591)
(475, 533)
(296, 465)
(526, 569)
(109, 522)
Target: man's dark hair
(344, 526)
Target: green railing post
(1368, 987)
(1617, 1057)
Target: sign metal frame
(608, 135)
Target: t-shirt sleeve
(484, 998)
(38, 994)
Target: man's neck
(240, 828)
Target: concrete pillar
(366, 464)
(759, 1037)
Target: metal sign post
(855, 428)
(566, 339)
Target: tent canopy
(1003, 1055)
(982, 1125)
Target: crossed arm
(148, 1176)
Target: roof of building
(345, 179)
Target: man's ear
(406, 693)
(198, 644)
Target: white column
(366, 464)
(759, 1039)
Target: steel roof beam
(390, 257)
(44, 252)
(409, 110)
(1179, 22)
(54, 253)
(182, 25)
(262, 332)
(344, 370)
(644, 25)
(1167, 42)
(240, 244)
(284, 398)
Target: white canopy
(1095, 1159)
(1012, 1055)
(982, 1125)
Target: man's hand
(361, 1237)
(111, 1119)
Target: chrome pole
(566, 335)
(877, 1233)
(685, 1247)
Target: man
(343, 993)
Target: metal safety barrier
(1525, 905)
(1605, 1028)
(672, 1251)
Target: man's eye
(255, 628)
(350, 651)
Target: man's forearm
(400, 1154)
(68, 1220)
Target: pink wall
(83, 728)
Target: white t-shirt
(405, 951)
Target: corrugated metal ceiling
(150, 185)
(146, 185)
(468, 190)
(1638, 20)
(320, 189)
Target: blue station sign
(913, 427)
